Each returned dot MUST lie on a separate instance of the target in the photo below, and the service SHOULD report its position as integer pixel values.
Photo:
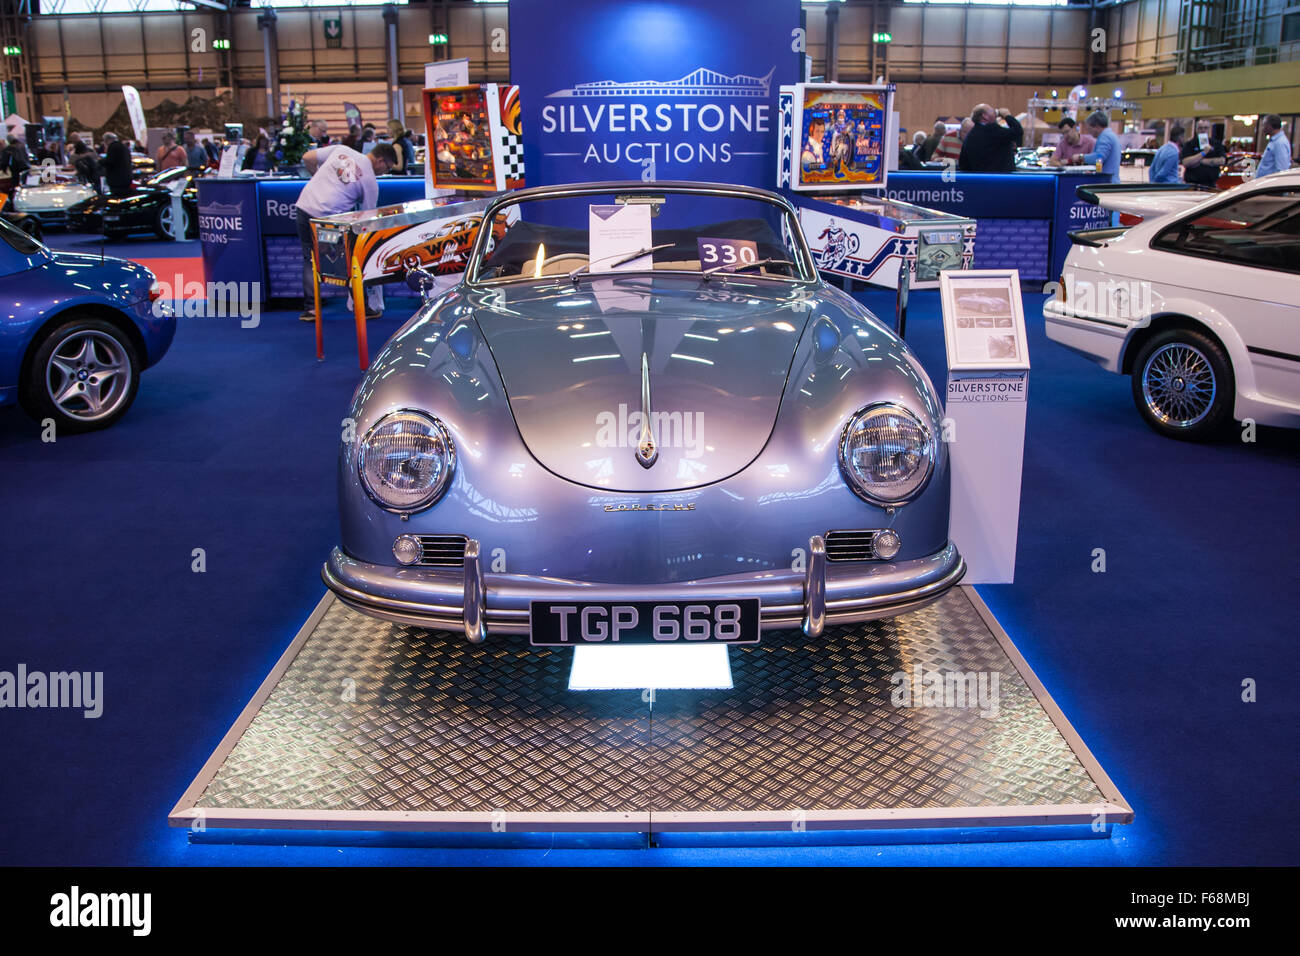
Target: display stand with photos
(984, 424)
(835, 143)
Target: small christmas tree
(293, 140)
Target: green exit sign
(333, 32)
(221, 44)
(13, 49)
(883, 37)
(436, 38)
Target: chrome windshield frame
(803, 256)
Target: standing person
(949, 148)
(925, 153)
(906, 157)
(86, 163)
(353, 139)
(402, 145)
(1106, 151)
(1165, 165)
(1203, 163)
(1277, 154)
(1074, 142)
(258, 157)
(196, 157)
(49, 150)
(170, 153)
(118, 168)
(342, 180)
(14, 162)
(990, 147)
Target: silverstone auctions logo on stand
(645, 90)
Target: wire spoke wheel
(88, 375)
(1178, 385)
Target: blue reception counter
(249, 234)
(1023, 217)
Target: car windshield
(575, 235)
(166, 176)
(18, 240)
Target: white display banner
(229, 156)
(986, 402)
(135, 110)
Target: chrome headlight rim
(436, 490)
(846, 472)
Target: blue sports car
(75, 332)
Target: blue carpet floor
(231, 446)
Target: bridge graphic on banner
(701, 82)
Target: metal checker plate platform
(365, 725)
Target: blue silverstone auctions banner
(633, 89)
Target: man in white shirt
(342, 180)
(1277, 154)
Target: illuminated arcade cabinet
(835, 145)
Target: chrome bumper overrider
(468, 599)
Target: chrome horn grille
(850, 545)
(442, 550)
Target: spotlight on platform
(642, 666)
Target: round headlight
(886, 454)
(406, 461)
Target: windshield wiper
(621, 262)
(737, 266)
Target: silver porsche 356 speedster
(641, 417)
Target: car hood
(139, 197)
(116, 278)
(716, 357)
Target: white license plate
(561, 624)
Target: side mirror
(420, 280)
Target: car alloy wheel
(83, 375)
(1183, 384)
(168, 228)
(1178, 385)
(88, 375)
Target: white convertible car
(1199, 303)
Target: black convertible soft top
(519, 245)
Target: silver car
(642, 418)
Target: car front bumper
(468, 599)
